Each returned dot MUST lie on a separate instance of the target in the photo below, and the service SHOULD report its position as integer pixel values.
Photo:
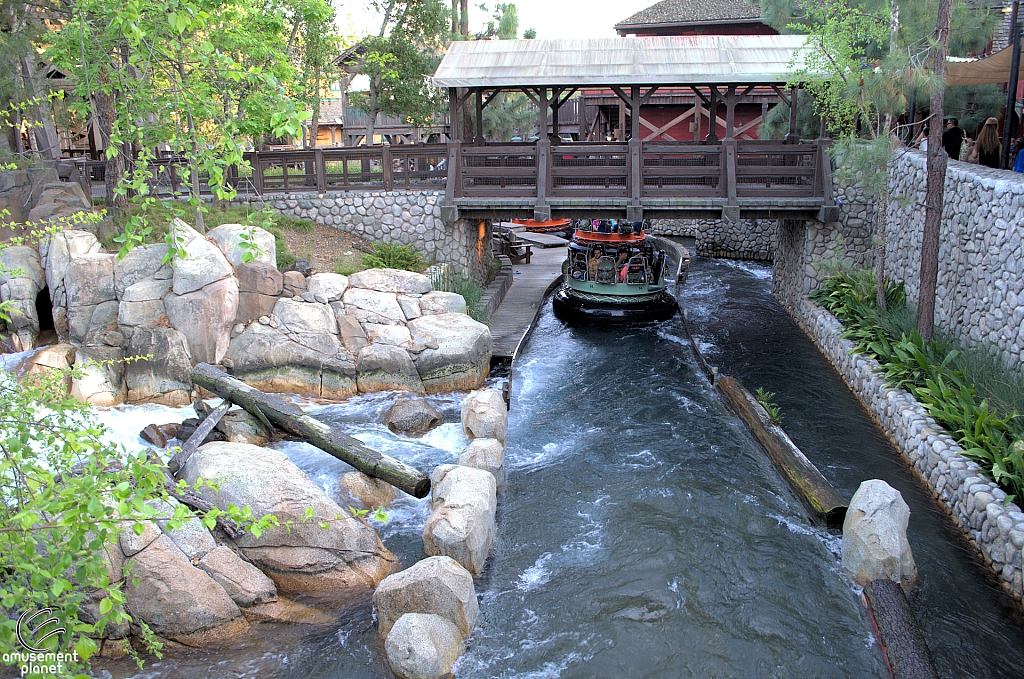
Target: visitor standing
(988, 147)
(952, 138)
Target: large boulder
(174, 598)
(101, 382)
(352, 334)
(358, 490)
(412, 414)
(266, 359)
(458, 354)
(57, 251)
(253, 305)
(464, 501)
(259, 277)
(487, 454)
(305, 318)
(875, 542)
(203, 262)
(165, 376)
(437, 585)
(346, 557)
(395, 335)
(381, 367)
(91, 325)
(242, 581)
(372, 306)
(21, 280)
(205, 318)
(89, 280)
(485, 415)
(228, 238)
(391, 280)
(58, 200)
(141, 263)
(327, 287)
(439, 302)
(422, 646)
(238, 426)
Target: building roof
(662, 60)
(692, 11)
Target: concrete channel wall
(980, 301)
(407, 217)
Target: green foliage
(379, 514)
(394, 256)
(772, 408)
(445, 278)
(955, 390)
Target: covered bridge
(726, 177)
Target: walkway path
(514, 316)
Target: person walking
(988, 147)
(952, 138)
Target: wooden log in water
(289, 417)
(823, 501)
(177, 463)
(901, 640)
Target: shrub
(444, 278)
(394, 256)
(967, 392)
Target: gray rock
(462, 523)
(458, 357)
(348, 555)
(302, 317)
(485, 415)
(205, 318)
(203, 262)
(252, 305)
(875, 536)
(101, 382)
(191, 537)
(437, 585)
(412, 415)
(146, 290)
(176, 599)
(371, 306)
(60, 249)
(438, 302)
(141, 263)
(145, 314)
(90, 324)
(228, 239)
(164, 377)
(364, 492)
(384, 368)
(487, 454)
(422, 646)
(410, 307)
(89, 280)
(394, 335)
(294, 283)
(239, 426)
(261, 278)
(330, 286)
(391, 280)
(242, 581)
(352, 335)
(132, 543)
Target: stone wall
(407, 217)
(976, 504)
(746, 239)
(980, 291)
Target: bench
(515, 249)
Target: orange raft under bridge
(550, 226)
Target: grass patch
(968, 392)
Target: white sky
(551, 18)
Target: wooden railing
(730, 170)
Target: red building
(675, 114)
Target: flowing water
(643, 533)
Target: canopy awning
(674, 60)
(993, 69)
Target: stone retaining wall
(980, 291)
(976, 504)
(407, 217)
(746, 239)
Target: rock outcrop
(486, 454)
(457, 355)
(464, 501)
(360, 491)
(437, 585)
(228, 238)
(422, 646)
(412, 415)
(875, 542)
(346, 557)
(485, 415)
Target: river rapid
(643, 533)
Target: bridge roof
(668, 60)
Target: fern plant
(394, 256)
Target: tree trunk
(114, 170)
(371, 114)
(47, 142)
(881, 210)
(935, 183)
(190, 446)
(464, 17)
(455, 16)
(329, 439)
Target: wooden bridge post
(634, 212)
(257, 174)
(385, 163)
(541, 210)
(731, 211)
(792, 137)
(321, 171)
(712, 137)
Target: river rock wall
(976, 503)
(407, 217)
(746, 239)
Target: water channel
(643, 533)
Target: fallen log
(177, 463)
(331, 440)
